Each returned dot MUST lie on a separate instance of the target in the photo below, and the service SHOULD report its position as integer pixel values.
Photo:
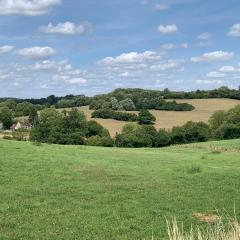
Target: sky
(91, 47)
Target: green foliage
(73, 101)
(6, 117)
(163, 138)
(62, 128)
(94, 129)
(111, 114)
(105, 141)
(145, 117)
(133, 136)
(217, 119)
(127, 104)
(33, 116)
(226, 125)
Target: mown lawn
(77, 192)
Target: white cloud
(36, 52)
(215, 75)
(67, 28)
(52, 65)
(205, 36)
(26, 7)
(171, 46)
(169, 64)
(161, 7)
(213, 56)
(168, 29)
(77, 80)
(6, 49)
(229, 69)
(132, 57)
(125, 74)
(209, 81)
(235, 30)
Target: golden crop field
(204, 108)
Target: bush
(163, 138)
(178, 135)
(94, 128)
(196, 132)
(106, 141)
(227, 131)
(145, 117)
(190, 132)
(6, 117)
(111, 114)
(133, 136)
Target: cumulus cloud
(161, 7)
(132, 57)
(77, 80)
(66, 28)
(215, 75)
(213, 56)
(205, 36)
(234, 30)
(6, 49)
(167, 29)
(52, 65)
(36, 52)
(229, 69)
(171, 46)
(26, 7)
(209, 81)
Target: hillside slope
(78, 192)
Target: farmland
(78, 192)
(204, 108)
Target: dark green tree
(145, 117)
(6, 117)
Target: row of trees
(128, 97)
(73, 128)
(144, 116)
(138, 102)
(70, 128)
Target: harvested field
(204, 108)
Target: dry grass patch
(204, 108)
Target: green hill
(78, 192)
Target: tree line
(72, 128)
(132, 99)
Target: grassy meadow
(78, 192)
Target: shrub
(196, 132)
(6, 117)
(106, 141)
(133, 136)
(216, 120)
(111, 114)
(163, 138)
(127, 104)
(178, 135)
(145, 117)
(94, 128)
(227, 131)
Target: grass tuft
(216, 231)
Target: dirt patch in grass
(206, 218)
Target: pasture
(78, 192)
(204, 108)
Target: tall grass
(217, 231)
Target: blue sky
(89, 47)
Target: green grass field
(77, 192)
